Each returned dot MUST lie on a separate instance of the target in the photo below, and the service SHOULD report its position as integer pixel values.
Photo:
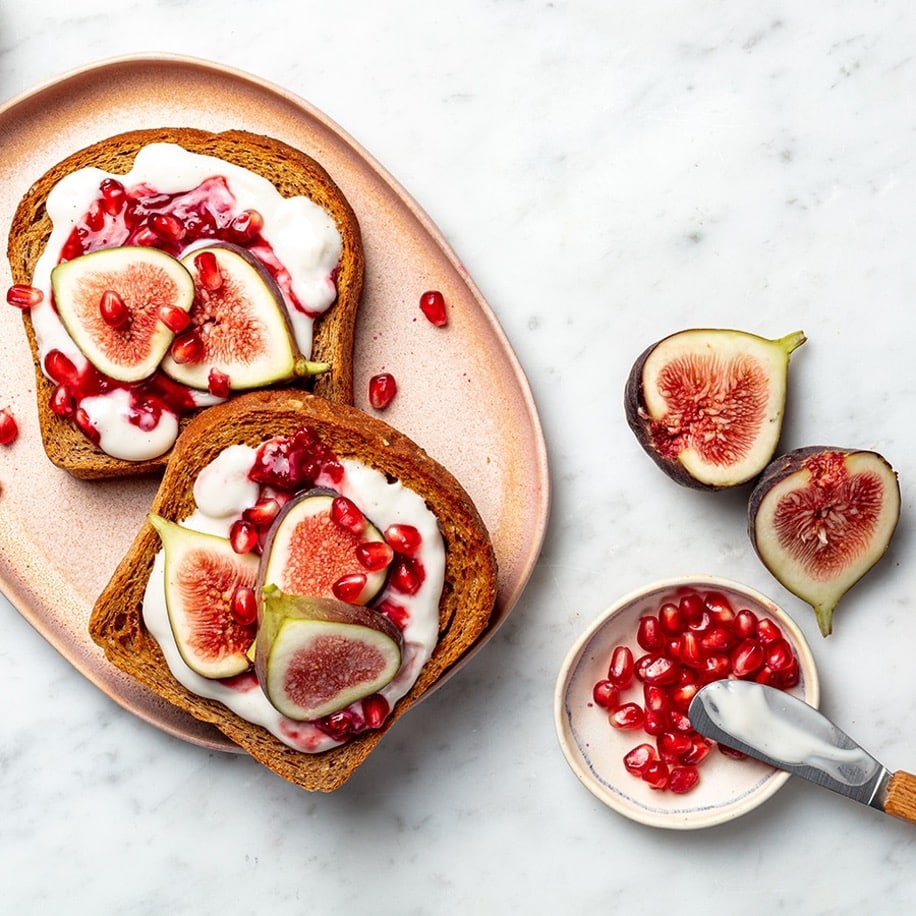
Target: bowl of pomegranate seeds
(624, 689)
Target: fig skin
(640, 420)
(823, 593)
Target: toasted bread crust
(465, 608)
(292, 172)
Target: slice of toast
(292, 172)
(465, 607)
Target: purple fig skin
(634, 403)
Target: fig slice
(141, 280)
(239, 325)
(312, 549)
(820, 518)
(315, 656)
(202, 573)
(707, 404)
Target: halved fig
(109, 302)
(322, 545)
(820, 518)
(239, 326)
(707, 404)
(202, 575)
(315, 656)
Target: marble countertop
(608, 174)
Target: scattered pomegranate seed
(188, 348)
(218, 384)
(244, 605)
(346, 514)
(374, 555)
(174, 318)
(60, 368)
(113, 310)
(403, 538)
(432, 304)
(24, 296)
(687, 644)
(375, 710)
(208, 272)
(243, 536)
(349, 587)
(382, 389)
(9, 428)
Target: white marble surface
(608, 173)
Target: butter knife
(787, 733)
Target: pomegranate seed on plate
(24, 296)
(767, 630)
(692, 607)
(655, 774)
(683, 778)
(747, 658)
(745, 624)
(671, 618)
(606, 695)
(9, 428)
(627, 716)
(657, 669)
(656, 698)
(382, 389)
(637, 759)
(620, 669)
(432, 304)
(656, 722)
(649, 633)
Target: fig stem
(792, 341)
(824, 614)
(306, 367)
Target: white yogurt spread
(221, 492)
(303, 237)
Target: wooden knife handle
(901, 796)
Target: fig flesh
(307, 552)
(202, 573)
(315, 656)
(707, 404)
(239, 326)
(820, 518)
(141, 280)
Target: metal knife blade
(787, 733)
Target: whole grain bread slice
(291, 171)
(465, 607)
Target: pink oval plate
(463, 394)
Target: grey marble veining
(609, 174)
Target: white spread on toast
(302, 235)
(222, 491)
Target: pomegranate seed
(717, 639)
(745, 626)
(396, 613)
(692, 649)
(263, 512)
(701, 623)
(60, 368)
(766, 675)
(655, 774)
(639, 758)
(767, 630)
(350, 587)
(375, 710)
(716, 667)
(656, 698)
(167, 227)
(86, 426)
(406, 576)
(188, 348)
(403, 538)
(692, 607)
(218, 384)
(24, 296)
(347, 515)
(672, 744)
(731, 752)
(682, 694)
(606, 695)
(627, 716)
(657, 669)
(698, 751)
(620, 669)
(671, 618)
(247, 225)
(62, 402)
(374, 555)
(747, 658)
(680, 722)
(9, 428)
(719, 607)
(787, 677)
(243, 536)
(244, 605)
(683, 778)
(382, 389)
(208, 272)
(145, 236)
(174, 318)
(649, 634)
(656, 723)
(778, 654)
(432, 304)
(113, 310)
(95, 218)
(113, 196)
